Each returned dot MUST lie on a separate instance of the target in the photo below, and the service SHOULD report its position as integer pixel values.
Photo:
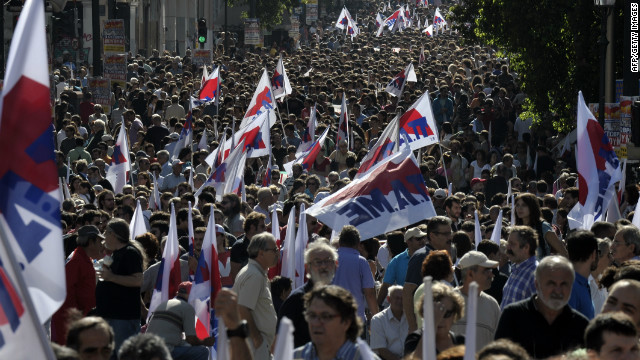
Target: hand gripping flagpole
(24, 291)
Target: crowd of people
(544, 290)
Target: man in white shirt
(175, 109)
(389, 328)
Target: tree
(551, 44)
(268, 11)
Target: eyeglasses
(323, 318)
(442, 233)
(323, 262)
(275, 250)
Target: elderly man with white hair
(544, 324)
(389, 328)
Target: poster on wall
(201, 57)
(100, 89)
(113, 36)
(613, 126)
(252, 32)
(294, 32)
(312, 11)
(115, 68)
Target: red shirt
(81, 292)
(86, 109)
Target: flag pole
(26, 296)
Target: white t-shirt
(477, 169)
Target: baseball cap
(440, 193)
(176, 162)
(184, 287)
(174, 136)
(414, 232)
(473, 258)
(477, 180)
(88, 230)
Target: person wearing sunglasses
(448, 307)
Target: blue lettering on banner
(403, 196)
(378, 203)
(353, 209)
(33, 200)
(418, 184)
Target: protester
(486, 141)
(175, 322)
(320, 265)
(552, 326)
(334, 325)
(92, 338)
(612, 336)
(254, 295)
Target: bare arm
(382, 293)
(245, 313)
(555, 244)
(407, 305)
(370, 296)
(227, 308)
(133, 280)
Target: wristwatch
(242, 331)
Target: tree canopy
(551, 44)
(269, 12)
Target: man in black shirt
(545, 325)
(439, 234)
(321, 261)
(156, 133)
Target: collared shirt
(523, 324)
(580, 299)
(354, 274)
(252, 287)
(397, 269)
(387, 332)
(348, 351)
(520, 284)
(414, 268)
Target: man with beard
(106, 201)
(583, 252)
(231, 205)
(544, 324)
(320, 261)
(521, 251)
(95, 178)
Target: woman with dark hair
(528, 213)
(118, 291)
(74, 184)
(334, 325)
(479, 164)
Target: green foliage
(270, 12)
(551, 44)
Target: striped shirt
(520, 284)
